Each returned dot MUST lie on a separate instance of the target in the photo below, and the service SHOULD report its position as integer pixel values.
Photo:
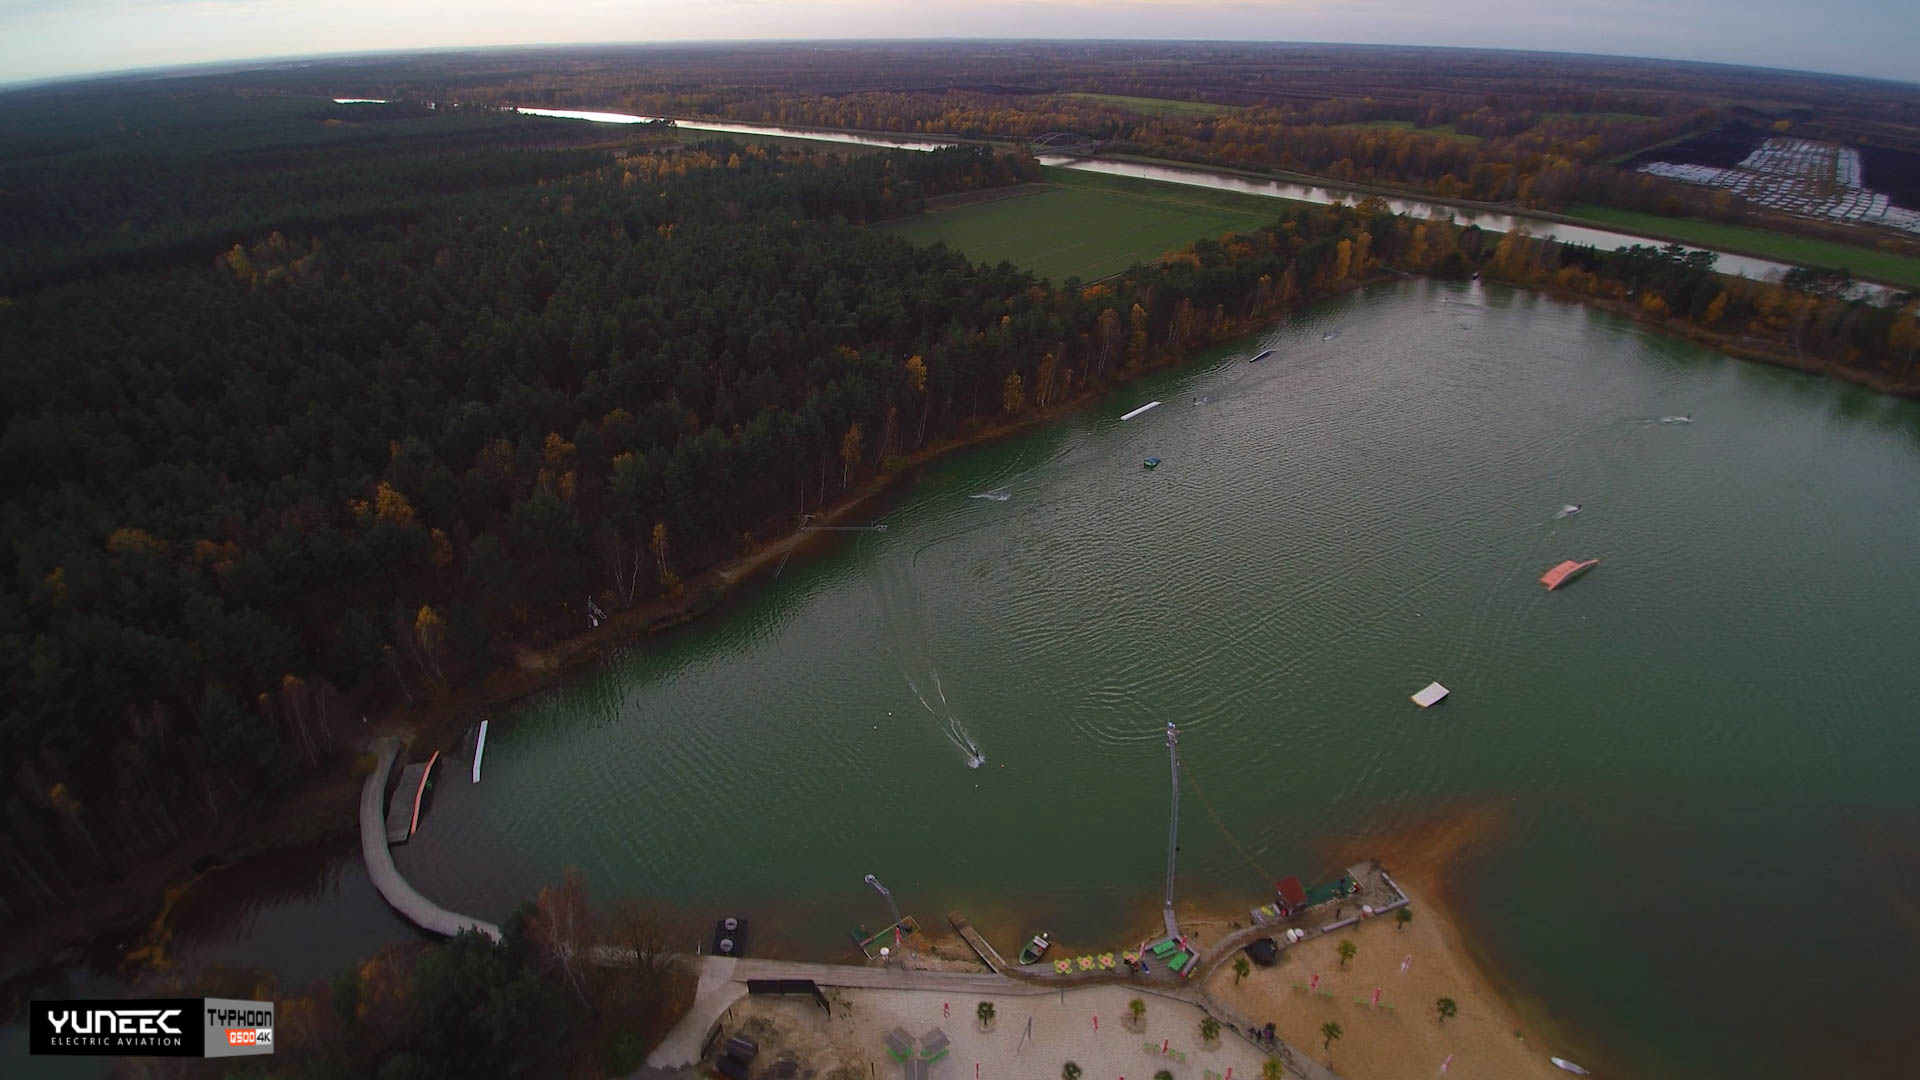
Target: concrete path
(887, 978)
(717, 992)
(723, 981)
(418, 910)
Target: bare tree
(561, 931)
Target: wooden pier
(386, 877)
(403, 813)
(981, 947)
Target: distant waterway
(1697, 758)
(1604, 239)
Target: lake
(1700, 752)
(1699, 756)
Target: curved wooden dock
(403, 897)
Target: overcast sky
(42, 38)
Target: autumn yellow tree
(1342, 262)
(1043, 382)
(428, 638)
(917, 375)
(1137, 339)
(1014, 395)
(668, 579)
(390, 506)
(849, 453)
(1109, 338)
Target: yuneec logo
(116, 1028)
(165, 1027)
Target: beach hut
(1292, 896)
(934, 1045)
(899, 1045)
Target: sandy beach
(1412, 967)
(1403, 1039)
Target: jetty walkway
(404, 898)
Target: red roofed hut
(1292, 896)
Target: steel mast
(1173, 824)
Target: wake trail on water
(903, 619)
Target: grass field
(1445, 131)
(1085, 226)
(1156, 106)
(1603, 117)
(1802, 251)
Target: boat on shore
(1569, 1066)
(1035, 949)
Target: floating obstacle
(1566, 572)
(1260, 357)
(403, 813)
(479, 749)
(1141, 409)
(1433, 694)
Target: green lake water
(1703, 752)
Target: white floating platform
(1432, 695)
(1141, 409)
(479, 750)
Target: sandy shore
(1405, 1038)
(1487, 1037)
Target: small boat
(1151, 462)
(1563, 1063)
(1261, 357)
(1430, 695)
(1566, 572)
(1035, 949)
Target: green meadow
(1086, 226)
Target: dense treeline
(241, 488)
(1808, 318)
(100, 183)
(535, 1004)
